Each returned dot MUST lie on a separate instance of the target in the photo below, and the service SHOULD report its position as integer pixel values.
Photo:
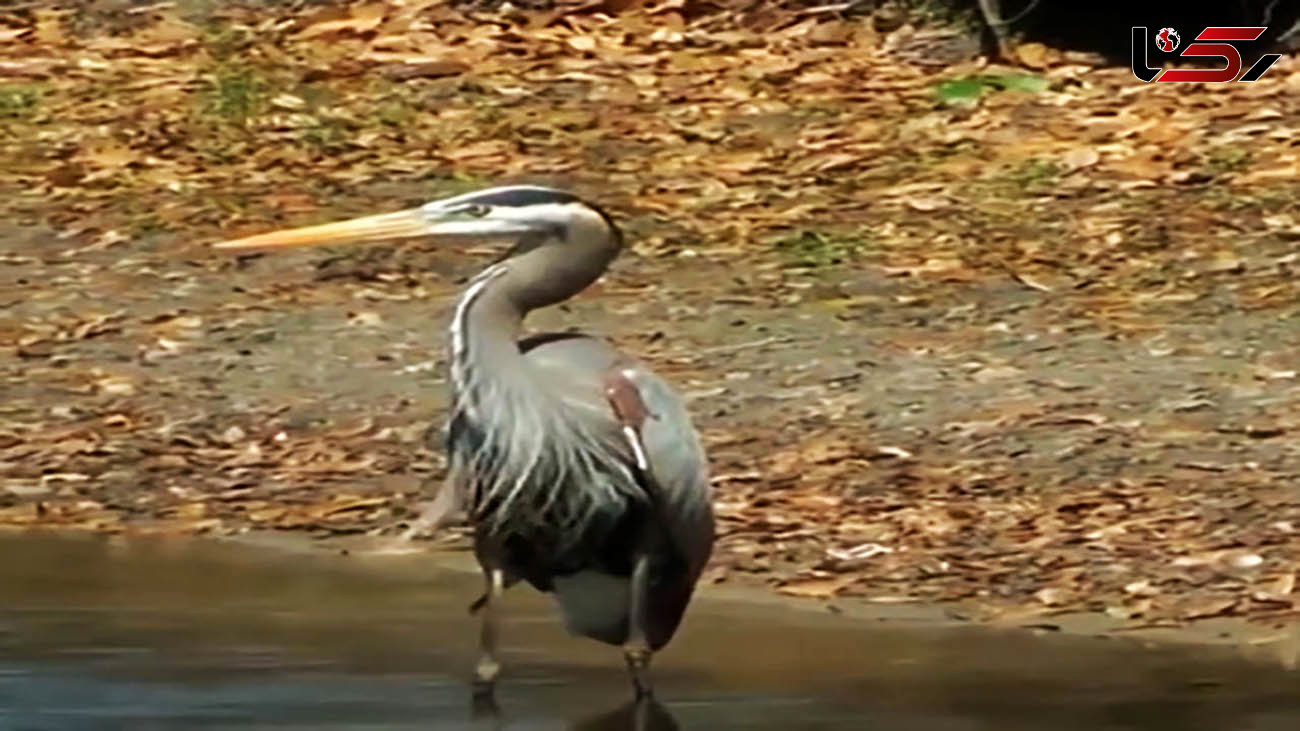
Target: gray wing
(677, 465)
(581, 367)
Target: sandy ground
(976, 447)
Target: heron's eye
(477, 210)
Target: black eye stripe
(522, 196)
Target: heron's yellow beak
(384, 227)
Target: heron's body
(585, 552)
(578, 467)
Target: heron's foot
(485, 678)
(638, 667)
(486, 671)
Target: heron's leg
(485, 673)
(636, 650)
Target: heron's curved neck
(490, 313)
(485, 329)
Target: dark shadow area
(1103, 26)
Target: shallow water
(110, 634)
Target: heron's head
(532, 216)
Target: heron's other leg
(636, 650)
(485, 673)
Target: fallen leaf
(1079, 158)
(362, 18)
(824, 588)
(426, 69)
(1033, 55)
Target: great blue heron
(578, 467)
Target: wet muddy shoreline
(271, 633)
(1266, 644)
